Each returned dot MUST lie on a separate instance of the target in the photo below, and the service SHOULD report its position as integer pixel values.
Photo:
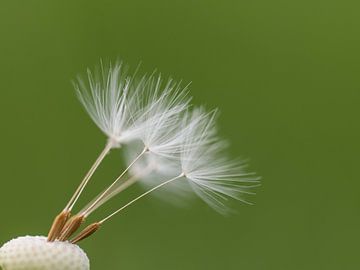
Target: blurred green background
(285, 75)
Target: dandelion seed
(160, 119)
(105, 98)
(167, 145)
(158, 130)
(212, 177)
(108, 96)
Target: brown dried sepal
(58, 225)
(89, 230)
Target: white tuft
(162, 108)
(106, 97)
(36, 253)
(176, 142)
(213, 177)
(152, 169)
(201, 159)
(126, 108)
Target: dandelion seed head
(35, 252)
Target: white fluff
(168, 145)
(162, 107)
(36, 253)
(152, 169)
(174, 139)
(201, 160)
(213, 177)
(126, 109)
(107, 97)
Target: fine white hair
(107, 97)
(212, 175)
(201, 160)
(165, 137)
(163, 105)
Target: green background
(285, 75)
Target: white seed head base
(36, 253)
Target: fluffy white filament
(213, 177)
(202, 163)
(167, 144)
(107, 98)
(156, 109)
(164, 139)
(161, 113)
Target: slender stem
(117, 189)
(87, 177)
(110, 194)
(92, 207)
(139, 197)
